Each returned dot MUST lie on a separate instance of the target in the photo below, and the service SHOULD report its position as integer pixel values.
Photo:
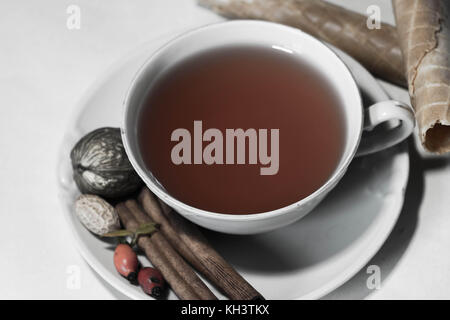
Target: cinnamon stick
(153, 209)
(424, 33)
(174, 259)
(377, 49)
(179, 285)
(214, 266)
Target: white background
(44, 70)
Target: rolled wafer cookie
(424, 33)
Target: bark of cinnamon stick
(156, 254)
(214, 267)
(174, 259)
(153, 209)
(424, 33)
(377, 49)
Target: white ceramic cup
(309, 49)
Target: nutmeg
(97, 215)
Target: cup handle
(377, 114)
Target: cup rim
(193, 211)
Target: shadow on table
(398, 241)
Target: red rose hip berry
(126, 262)
(152, 282)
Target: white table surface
(44, 70)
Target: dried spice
(126, 262)
(101, 166)
(97, 215)
(152, 282)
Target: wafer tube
(424, 33)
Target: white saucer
(303, 261)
